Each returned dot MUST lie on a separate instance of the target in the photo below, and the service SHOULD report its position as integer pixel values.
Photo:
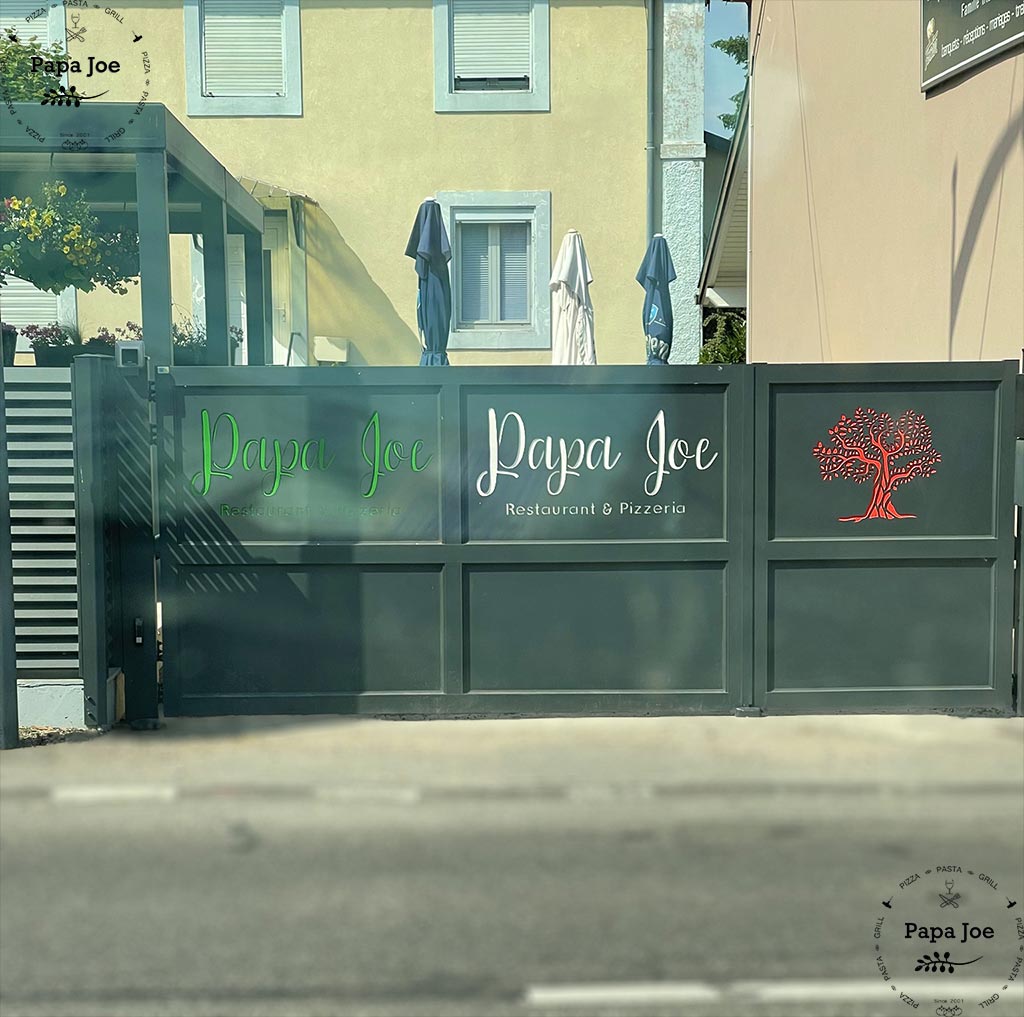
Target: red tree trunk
(880, 507)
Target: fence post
(8, 659)
(89, 408)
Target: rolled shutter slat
(515, 271)
(243, 47)
(474, 274)
(491, 38)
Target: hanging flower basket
(55, 242)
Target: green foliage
(55, 242)
(17, 82)
(725, 338)
(735, 46)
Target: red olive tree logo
(871, 446)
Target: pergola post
(255, 323)
(154, 255)
(215, 280)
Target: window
(491, 55)
(22, 304)
(243, 59)
(46, 28)
(493, 260)
(501, 261)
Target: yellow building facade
(375, 122)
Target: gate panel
(421, 550)
(884, 537)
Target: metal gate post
(137, 547)
(8, 660)
(89, 380)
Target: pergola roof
(156, 177)
(193, 172)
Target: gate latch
(138, 631)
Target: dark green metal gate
(589, 540)
(399, 566)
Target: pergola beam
(154, 255)
(215, 280)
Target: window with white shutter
(22, 304)
(45, 26)
(243, 58)
(501, 262)
(494, 284)
(491, 55)
(491, 45)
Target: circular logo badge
(74, 55)
(950, 940)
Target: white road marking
(781, 991)
(91, 794)
(622, 994)
(391, 795)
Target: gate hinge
(153, 434)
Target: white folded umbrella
(572, 314)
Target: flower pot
(190, 356)
(10, 342)
(55, 356)
(98, 349)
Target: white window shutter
(243, 47)
(13, 14)
(22, 304)
(491, 38)
(515, 271)
(474, 272)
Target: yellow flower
(15, 204)
(67, 250)
(28, 201)
(62, 190)
(23, 223)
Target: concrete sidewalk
(686, 754)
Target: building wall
(884, 224)
(370, 147)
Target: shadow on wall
(990, 187)
(345, 301)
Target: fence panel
(883, 571)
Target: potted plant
(102, 343)
(54, 241)
(53, 345)
(10, 343)
(190, 343)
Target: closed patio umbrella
(572, 314)
(656, 272)
(428, 246)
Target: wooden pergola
(157, 178)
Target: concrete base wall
(51, 702)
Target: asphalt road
(255, 902)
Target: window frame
(536, 100)
(494, 207)
(287, 105)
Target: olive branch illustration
(937, 963)
(66, 97)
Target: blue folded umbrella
(428, 246)
(655, 274)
